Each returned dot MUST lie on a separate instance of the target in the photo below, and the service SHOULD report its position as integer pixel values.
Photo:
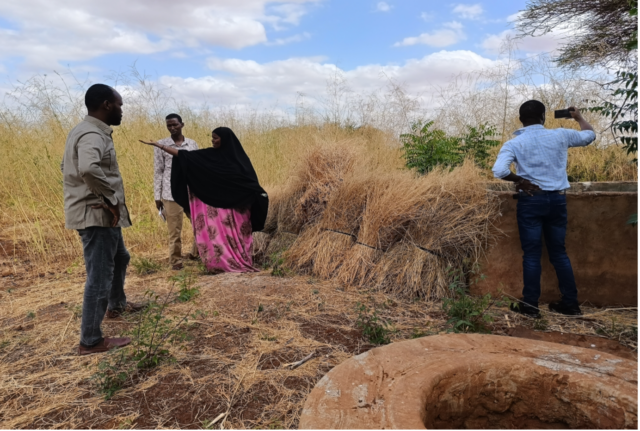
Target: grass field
(31, 204)
(233, 354)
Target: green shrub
(425, 148)
(468, 313)
(375, 329)
(476, 145)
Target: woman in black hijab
(219, 188)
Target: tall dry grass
(33, 129)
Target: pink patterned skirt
(223, 237)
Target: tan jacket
(91, 176)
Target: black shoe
(525, 310)
(560, 307)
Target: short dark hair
(97, 94)
(532, 110)
(176, 116)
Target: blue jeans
(538, 216)
(105, 259)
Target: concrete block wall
(602, 247)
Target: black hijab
(220, 177)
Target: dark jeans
(545, 215)
(106, 259)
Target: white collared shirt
(162, 167)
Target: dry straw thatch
(394, 231)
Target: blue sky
(242, 51)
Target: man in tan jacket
(94, 204)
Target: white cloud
(427, 16)
(383, 7)
(451, 34)
(468, 11)
(287, 40)
(243, 82)
(46, 33)
(549, 42)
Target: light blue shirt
(540, 155)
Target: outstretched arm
(166, 148)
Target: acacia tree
(607, 30)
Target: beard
(116, 120)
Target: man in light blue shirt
(540, 156)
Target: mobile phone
(161, 214)
(562, 113)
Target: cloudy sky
(247, 51)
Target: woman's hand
(165, 148)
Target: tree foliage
(623, 108)
(607, 30)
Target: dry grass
(234, 361)
(367, 226)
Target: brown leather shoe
(131, 307)
(105, 345)
(134, 307)
(177, 267)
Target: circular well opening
(520, 397)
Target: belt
(542, 192)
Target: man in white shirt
(540, 156)
(162, 189)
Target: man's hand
(526, 186)
(577, 115)
(113, 209)
(159, 205)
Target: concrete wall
(603, 249)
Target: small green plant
(278, 269)
(144, 266)
(467, 313)
(4, 344)
(31, 315)
(126, 424)
(185, 281)
(315, 291)
(267, 337)
(153, 333)
(375, 329)
(541, 324)
(207, 424)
